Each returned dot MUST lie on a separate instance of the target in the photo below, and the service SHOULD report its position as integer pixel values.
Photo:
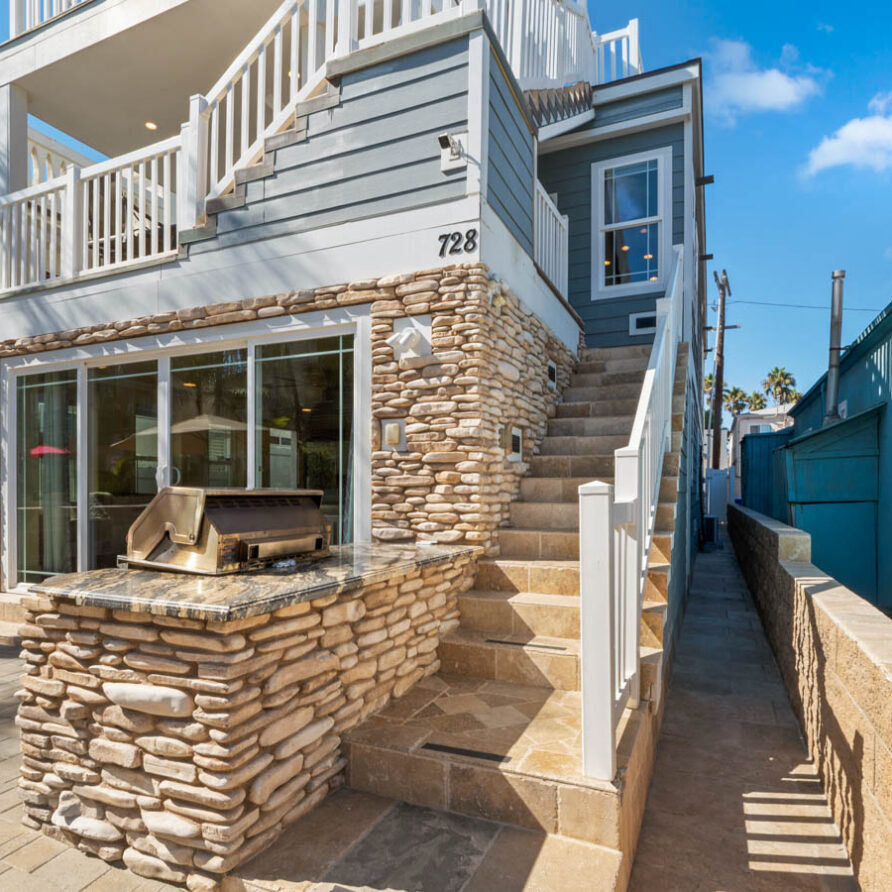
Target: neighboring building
(723, 448)
(758, 421)
(416, 255)
(835, 481)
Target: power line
(766, 303)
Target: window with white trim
(631, 199)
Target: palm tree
(735, 400)
(756, 401)
(780, 385)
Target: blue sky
(799, 139)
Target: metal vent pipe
(831, 402)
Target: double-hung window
(631, 199)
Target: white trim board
(551, 131)
(645, 84)
(599, 290)
(328, 323)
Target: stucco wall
(835, 653)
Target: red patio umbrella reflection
(48, 450)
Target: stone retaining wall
(834, 650)
(183, 747)
(488, 368)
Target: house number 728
(457, 242)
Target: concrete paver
(735, 803)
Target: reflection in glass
(123, 454)
(630, 192)
(209, 419)
(46, 475)
(632, 254)
(304, 423)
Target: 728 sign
(457, 242)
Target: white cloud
(823, 26)
(739, 86)
(861, 143)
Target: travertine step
(651, 663)
(600, 381)
(592, 467)
(538, 545)
(9, 634)
(520, 613)
(590, 354)
(616, 405)
(592, 426)
(661, 547)
(545, 515)
(617, 364)
(494, 750)
(656, 585)
(543, 577)
(653, 619)
(11, 610)
(554, 489)
(519, 659)
(602, 444)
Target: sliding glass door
(122, 455)
(46, 475)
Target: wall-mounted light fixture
(452, 150)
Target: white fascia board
(645, 84)
(550, 131)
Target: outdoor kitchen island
(178, 722)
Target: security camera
(448, 141)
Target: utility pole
(718, 384)
(831, 412)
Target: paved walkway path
(735, 803)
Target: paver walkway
(735, 803)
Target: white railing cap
(595, 488)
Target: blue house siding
(375, 153)
(569, 174)
(637, 107)
(509, 173)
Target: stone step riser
(591, 427)
(604, 444)
(503, 575)
(545, 515)
(593, 354)
(554, 489)
(617, 364)
(603, 380)
(538, 545)
(512, 663)
(653, 619)
(550, 616)
(11, 610)
(598, 408)
(592, 467)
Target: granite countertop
(237, 595)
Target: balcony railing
(130, 208)
(616, 528)
(550, 229)
(27, 14)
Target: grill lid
(215, 531)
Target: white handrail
(48, 158)
(550, 238)
(616, 527)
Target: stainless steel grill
(216, 531)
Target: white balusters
(27, 14)
(551, 239)
(616, 527)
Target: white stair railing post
(597, 621)
(16, 17)
(72, 234)
(194, 182)
(347, 19)
(634, 50)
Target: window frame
(355, 322)
(600, 290)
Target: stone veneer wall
(834, 650)
(183, 747)
(488, 368)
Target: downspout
(831, 410)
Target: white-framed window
(90, 433)
(631, 223)
(642, 323)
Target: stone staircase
(497, 733)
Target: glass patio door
(122, 454)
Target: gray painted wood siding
(637, 107)
(509, 173)
(569, 174)
(375, 153)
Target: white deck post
(72, 235)
(634, 48)
(13, 138)
(598, 683)
(16, 17)
(194, 181)
(347, 17)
